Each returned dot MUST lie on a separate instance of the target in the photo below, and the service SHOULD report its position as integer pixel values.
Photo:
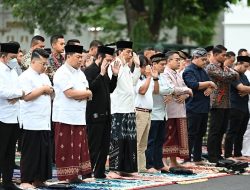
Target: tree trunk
(155, 24)
(179, 37)
(133, 11)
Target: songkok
(199, 52)
(209, 48)
(158, 57)
(73, 49)
(9, 48)
(106, 50)
(124, 44)
(243, 59)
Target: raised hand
(148, 71)
(155, 73)
(104, 67)
(136, 59)
(115, 68)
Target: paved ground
(235, 182)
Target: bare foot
(27, 186)
(231, 158)
(165, 168)
(242, 158)
(39, 184)
(89, 180)
(125, 174)
(176, 165)
(75, 180)
(152, 170)
(114, 175)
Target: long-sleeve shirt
(25, 63)
(199, 103)
(174, 109)
(159, 111)
(122, 99)
(55, 62)
(98, 109)
(9, 89)
(222, 78)
(237, 101)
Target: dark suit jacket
(98, 109)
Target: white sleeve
(25, 84)
(63, 81)
(136, 75)
(138, 86)
(6, 92)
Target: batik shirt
(222, 78)
(54, 63)
(25, 63)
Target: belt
(143, 110)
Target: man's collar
(71, 69)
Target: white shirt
(34, 114)
(144, 101)
(159, 111)
(122, 99)
(8, 90)
(68, 110)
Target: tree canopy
(144, 19)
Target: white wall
(237, 27)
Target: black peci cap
(106, 50)
(73, 49)
(124, 44)
(9, 47)
(243, 59)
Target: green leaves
(143, 19)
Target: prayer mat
(118, 184)
(174, 178)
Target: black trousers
(218, 125)
(8, 137)
(36, 162)
(235, 132)
(156, 139)
(99, 141)
(197, 127)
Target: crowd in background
(144, 111)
